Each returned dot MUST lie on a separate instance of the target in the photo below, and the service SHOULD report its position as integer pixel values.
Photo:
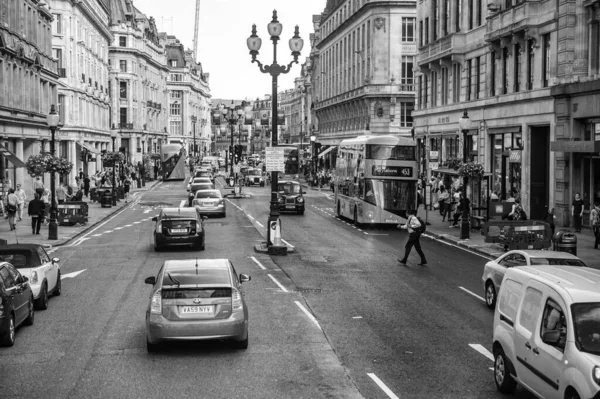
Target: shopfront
(506, 157)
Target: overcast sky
(224, 27)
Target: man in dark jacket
(86, 185)
(36, 211)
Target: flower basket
(453, 163)
(109, 158)
(37, 165)
(472, 170)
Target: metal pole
(53, 227)
(231, 149)
(465, 223)
(274, 208)
(195, 152)
(114, 172)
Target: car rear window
(20, 259)
(203, 276)
(557, 262)
(205, 186)
(189, 293)
(208, 194)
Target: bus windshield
(392, 195)
(400, 153)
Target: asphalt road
(340, 317)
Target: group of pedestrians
(14, 206)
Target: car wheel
(572, 395)
(42, 302)
(490, 295)
(152, 348)
(58, 289)
(504, 381)
(241, 344)
(31, 316)
(9, 337)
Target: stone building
(81, 38)
(28, 86)
(241, 133)
(137, 81)
(362, 68)
(261, 111)
(189, 96)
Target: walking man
(413, 225)
(37, 212)
(21, 197)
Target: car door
(14, 290)
(528, 316)
(550, 360)
(50, 268)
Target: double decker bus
(172, 161)
(376, 179)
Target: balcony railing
(125, 125)
(62, 72)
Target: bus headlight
(370, 215)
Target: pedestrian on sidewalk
(549, 217)
(443, 201)
(577, 212)
(46, 200)
(414, 227)
(38, 185)
(86, 185)
(126, 187)
(61, 193)
(463, 203)
(11, 208)
(36, 210)
(595, 223)
(22, 197)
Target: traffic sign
(274, 159)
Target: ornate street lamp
(254, 43)
(113, 136)
(52, 120)
(313, 138)
(465, 125)
(194, 120)
(232, 115)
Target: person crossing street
(21, 198)
(415, 227)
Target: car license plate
(206, 203)
(178, 230)
(196, 309)
(290, 206)
(391, 221)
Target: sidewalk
(96, 215)
(304, 183)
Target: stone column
(98, 147)
(133, 149)
(19, 172)
(72, 157)
(580, 64)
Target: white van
(547, 332)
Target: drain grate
(308, 290)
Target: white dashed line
(182, 203)
(258, 223)
(287, 243)
(479, 348)
(108, 231)
(118, 228)
(472, 293)
(138, 222)
(278, 283)
(258, 263)
(96, 235)
(310, 316)
(128, 225)
(381, 385)
(250, 217)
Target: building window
(517, 68)
(508, 4)
(469, 80)
(456, 83)
(446, 17)
(57, 53)
(457, 13)
(546, 58)
(421, 33)
(434, 88)
(479, 12)
(530, 60)
(427, 30)
(436, 16)
(173, 63)
(425, 91)
(406, 109)
(420, 92)
(123, 41)
(408, 30)
(505, 70)
(123, 116)
(506, 175)
(477, 77)
(123, 65)
(58, 28)
(176, 93)
(407, 79)
(493, 74)
(176, 77)
(444, 88)
(175, 108)
(471, 14)
(175, 128)
(451, 146)
(123, 89)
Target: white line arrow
(71, 275)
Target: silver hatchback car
(197, 299)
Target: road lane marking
(71, 275)
(258, 263)
(78, 241)
(258, 223)
(357, 317)
(108, 231)
(310, 316)
(278, 283)
(479, 348)
(383, 387)
(287, 243)
(182, 203)
(128, 225)
(137, 222)
(147, 210)
(118, 228)
(450, 244)
(96, 235)
(250, 217)
(472, 293)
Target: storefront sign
(514, 156)
(434, 165)
(392, 171)
(433, 155)
(575, 146)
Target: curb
(108, 216)
(460, 244)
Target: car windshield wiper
(173, 279)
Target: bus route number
(392, 171)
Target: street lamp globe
(254, 42)
(296, 42)
(274, 26)
(313, 138)
(113, 134)
(464, 122)
(53, 117)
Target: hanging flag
(280, 117)
(216, 118)
(264, 119)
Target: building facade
(189, 98)
(261, 112)
(362, 68)
(498, 62)
(242, 134)
(137, 82)
(28, 87)
(81, 38)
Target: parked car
(198, 186)
(254, 177)
(204, 173)
(546, 334)
(290, 195)
(178, 226)
(16, 303)
(198, 299)
(198, 180)
(494, 270)
(209, 202)
(43, 272)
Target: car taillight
(1, 308)
(34, 277)
(156, 306)
(193, 228)
(236, 300)
(159, 227)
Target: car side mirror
(551, 337)
(55, 260)
(204, 217)
(150, 280)
(244, 278)
(24, 279)
(154, 219)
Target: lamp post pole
(113, 136)
(465, 123)
(254, 43)
(194, 152)
(52, 120)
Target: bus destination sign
(392, 171)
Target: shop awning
(504, 129)
(88, 147)
(323, 153)
(12, 158)
(446, 171)
(575, 146)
